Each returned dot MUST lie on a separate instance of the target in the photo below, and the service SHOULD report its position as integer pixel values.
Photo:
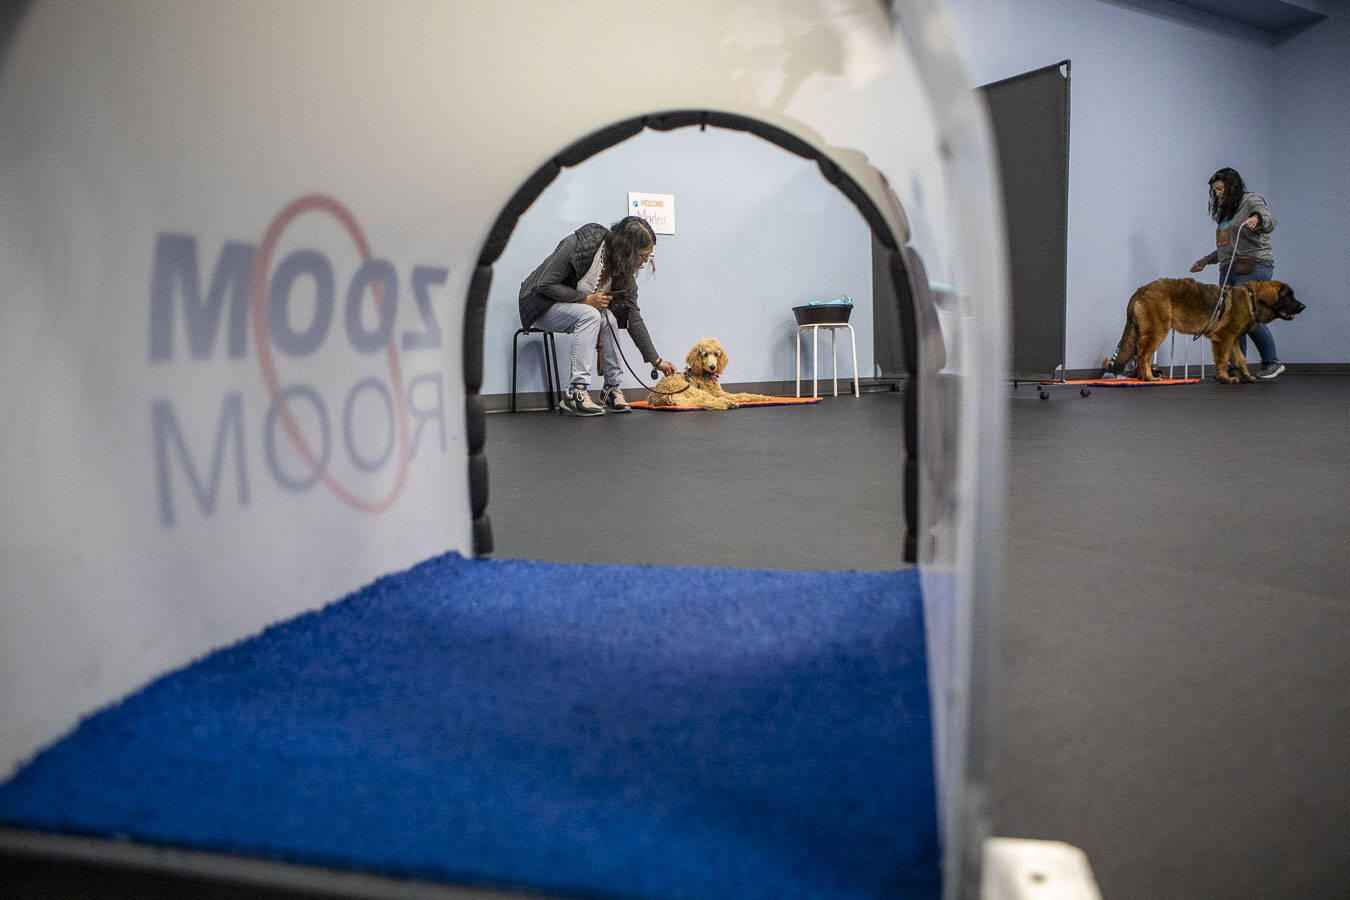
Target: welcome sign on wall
(657, 209)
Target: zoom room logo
(328, 329)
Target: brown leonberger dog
(1186, 305)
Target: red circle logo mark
(258, 311)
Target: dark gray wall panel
(1030, 114)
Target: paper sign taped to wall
(657, 209)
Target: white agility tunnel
(246, 253)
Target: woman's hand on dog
(599, 300)
(666, 366)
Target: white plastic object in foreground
(238, 241)
(1018, 869)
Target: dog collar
(689, 373)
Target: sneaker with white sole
(613, 400)
(1268, 371)
(577, 402)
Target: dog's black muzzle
(1288, 307)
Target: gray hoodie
(1253, 243)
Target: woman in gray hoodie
(1242, 250)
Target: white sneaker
(578, 402)
(613, 400)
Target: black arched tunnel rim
(903, 263)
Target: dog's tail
(1129, 342)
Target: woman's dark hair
(1233, 189)
(625, 240)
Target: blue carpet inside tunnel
(580, 729)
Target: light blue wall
(758, 230)
(1156, 107)
(1311, 149)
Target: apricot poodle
(698, 384)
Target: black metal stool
(552, 379)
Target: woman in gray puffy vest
(588, 288)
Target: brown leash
(650, 388)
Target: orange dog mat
(774, 401)
(1125, 382)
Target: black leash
(655, 372)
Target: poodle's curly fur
(697, 385)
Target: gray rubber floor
(1175, 696)
(814, 487)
